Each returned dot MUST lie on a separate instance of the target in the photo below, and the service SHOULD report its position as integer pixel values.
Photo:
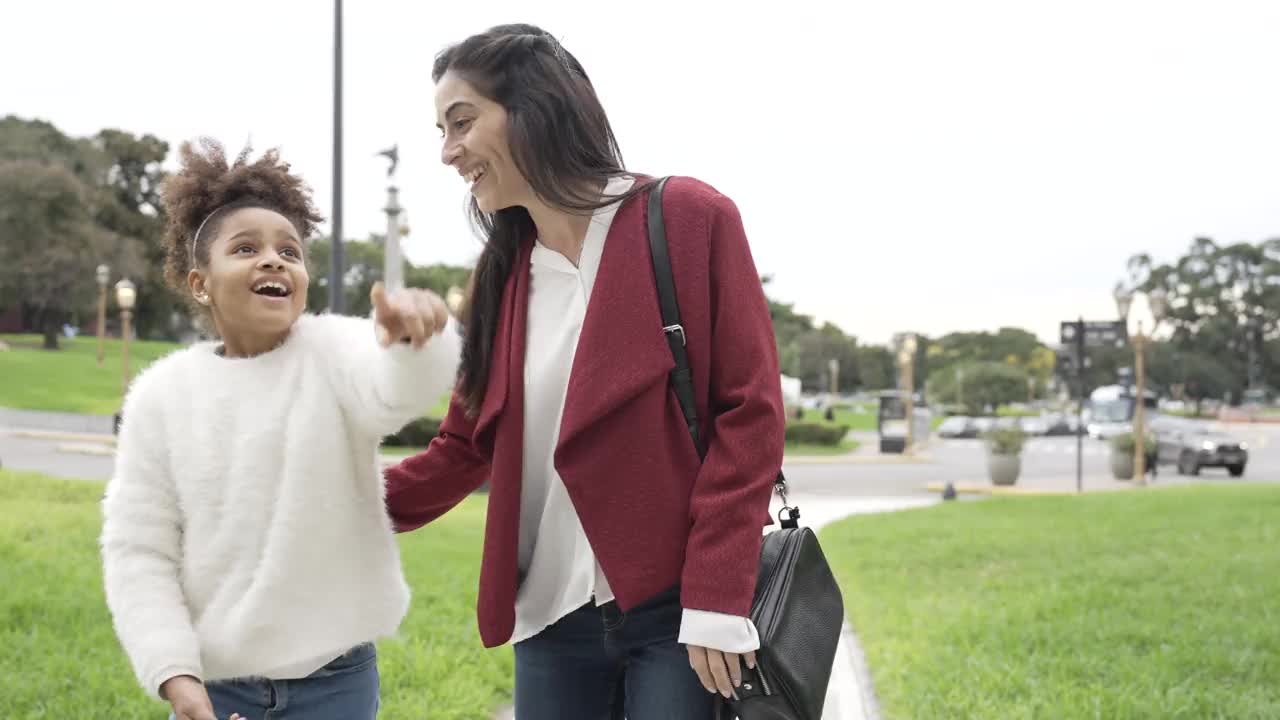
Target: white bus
(1110, 410)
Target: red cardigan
(654, 516)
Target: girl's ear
(196, 280)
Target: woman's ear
(196, 281)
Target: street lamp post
(126, 294)
(1157, 302)
(907, 356)
(104, 276)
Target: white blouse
(559, 569)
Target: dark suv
(1192, 446)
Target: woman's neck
(559, 230)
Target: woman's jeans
(345, 689)
(598, 663)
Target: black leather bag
(797, 609)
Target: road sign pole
(1080, 405)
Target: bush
(1006, 441)
(815, 433)
(1124, 443)
(418, 433)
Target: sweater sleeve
(383, 388)
(422, 488)
(141, 551)
(730, 499)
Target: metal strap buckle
(676, 329)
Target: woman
(620, 566)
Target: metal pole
(102, 321)
(337, 264)
(1080, 405)
(124, 353)
(911, 410)
(1139, 449)
(392, 261)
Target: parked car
(1034, 425)
(1192, 445)
(984, 424)
(1058, 425)
(958, 426)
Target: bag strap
(681, 376)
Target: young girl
(248, 557)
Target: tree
(117, 176)
(364, 260)
(877, 369)
(1224, 303)
(814, 351)
(979, 385)
(129, 207)
(49, 245)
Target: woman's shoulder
(686, 193)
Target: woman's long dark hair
(560, 140)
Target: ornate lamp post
(104, 276)
(1157, 301)
(126, 295)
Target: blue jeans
(598, 663)
(345, 689)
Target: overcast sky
(927, 166)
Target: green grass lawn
(1152, 604)
(844, 448)
(61, 658)
(69, 380)
(864, 421)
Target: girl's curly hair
(207, 187)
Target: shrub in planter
(1005, 441)
(815, 433)
(1122, 449)
(1004, 459)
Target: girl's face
(256, 281)
(474, 129)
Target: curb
(73, 437)
(857, 459)
(86, 449)
(979, 489)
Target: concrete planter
(1121, 464)
(1003, 469)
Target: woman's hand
(189, 699)
(410, 314)
(719, 671)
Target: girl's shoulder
(167, 376)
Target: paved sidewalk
(56, 421)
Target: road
(959, 461)
(1047, 460)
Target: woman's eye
(461, 125)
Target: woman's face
(474, 130)
(256, 281)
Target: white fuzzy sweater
(245, 531)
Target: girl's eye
(291, 253)
(242, 248)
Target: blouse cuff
(718, 631)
